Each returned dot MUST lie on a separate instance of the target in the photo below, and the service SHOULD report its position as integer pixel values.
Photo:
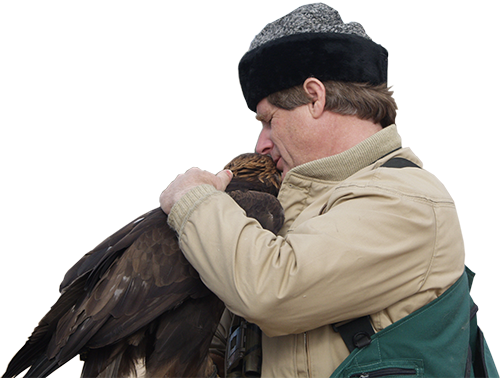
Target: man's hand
(185, 182)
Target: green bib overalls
(440, 339)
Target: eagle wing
(136, 296)
(113, 292)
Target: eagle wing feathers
(135, 296)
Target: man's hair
(362, 100)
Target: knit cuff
(182, 209)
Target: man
(361, 237)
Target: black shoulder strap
(399, 162)
(357, 333)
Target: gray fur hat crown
(311, 41)
(312, 18)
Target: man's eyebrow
(260, 117)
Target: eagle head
(254, 171)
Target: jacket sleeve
(367, 251)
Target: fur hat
(311, 41)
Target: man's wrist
(182, 209)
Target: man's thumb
(224, 178)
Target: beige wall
(460, 148)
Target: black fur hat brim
(286, 62)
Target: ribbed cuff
(182, 209)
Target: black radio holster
(243, 350)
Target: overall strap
(399, 162)
(357, 333)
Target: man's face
(287, 135)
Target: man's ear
(316, 90)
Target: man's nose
(264, 144)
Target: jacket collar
(341, 166)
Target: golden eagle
(136, 299)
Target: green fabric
(431, 342)
(490, 364)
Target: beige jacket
(358, 240)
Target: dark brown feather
(135, 296)
(254, 172)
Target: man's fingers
(185, 182)
(223, 179)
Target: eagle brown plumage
(136, 298)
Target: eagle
(134, 301)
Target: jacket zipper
(385, 372)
